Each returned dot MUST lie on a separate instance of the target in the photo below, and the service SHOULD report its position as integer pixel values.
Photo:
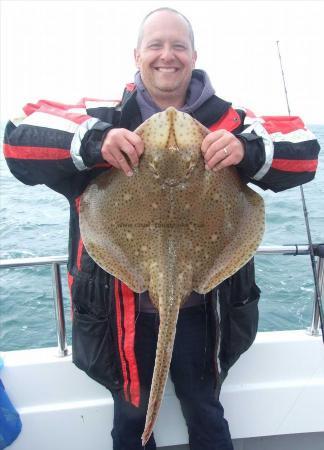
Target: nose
(167, 53)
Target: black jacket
(60, 146)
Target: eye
(179, 47)
(154, 46)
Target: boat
(273, 396)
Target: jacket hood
(200, 90)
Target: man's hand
(118, 143)
(221, 149)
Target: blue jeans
(192, 372)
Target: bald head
(170, 10)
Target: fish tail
(167, 330)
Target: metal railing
(57, 261)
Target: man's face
(165, 56)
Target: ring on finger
(225, 151)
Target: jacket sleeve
(280, 152)
(52, 142)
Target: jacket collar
(208, 113)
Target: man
(165, 62)
(114, 329)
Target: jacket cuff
(90, 150)
(254, 156)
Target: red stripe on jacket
(298, 165)
(119, 338)
(283, 124)
(70, 283)
(80, 243)
(229, 121)
(59, 110)
(30, 108)
(79, 254)
(44, 153)
(129, 345)
(130, 87)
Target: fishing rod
(318, 299)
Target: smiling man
(166, 56)
(115, 330)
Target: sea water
(34, 222)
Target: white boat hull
(273, 399)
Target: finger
(121, 161)
(210, 139)
(226, 162)
(112, 161)
(128, 149)
(216, 147)
(136, 141)
(108, 157)
(216, 159)
(125, 140)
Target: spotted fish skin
(169, 288)
(171, 228)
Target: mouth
(166, 69)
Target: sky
(66, 50)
